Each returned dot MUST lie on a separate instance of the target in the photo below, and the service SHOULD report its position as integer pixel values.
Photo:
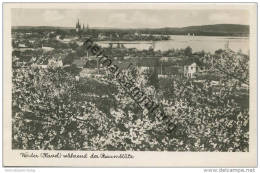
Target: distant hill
(203, 30)
(39, 27)
(220, 29)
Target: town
(57, 83)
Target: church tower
(78, 27)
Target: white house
(45, 48)
(162, 76)
(21, 45)
(77, 78)
(164, 59)
(143, 69)
(55, 63)
(39, 66)
(191, 69)
(101, 36)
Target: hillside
(220, 29)
(203, 30)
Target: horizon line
(103, 27)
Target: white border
(180, 159)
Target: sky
(127, 18)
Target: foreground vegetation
(54, 111)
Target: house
(77, 78)
(191, 69)
(32, 41)
(39, 66)
(143, 69)
(45, 48)
(21, 45)
(163, 76)
(164, 59)
(101, 36)
(55, 63)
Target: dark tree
(188, 51)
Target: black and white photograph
(164, 79)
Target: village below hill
(57, 82)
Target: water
(197, 43)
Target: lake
(197, 43)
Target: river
(197, 43)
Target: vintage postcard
(130, 84)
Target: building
(164, 59)
(34, 65)
(101, 36)
(55, 63)
(143, 69)
(80, 28)
(21, 45)
(191, 69)
(47, 49)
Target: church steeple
(78, 27)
